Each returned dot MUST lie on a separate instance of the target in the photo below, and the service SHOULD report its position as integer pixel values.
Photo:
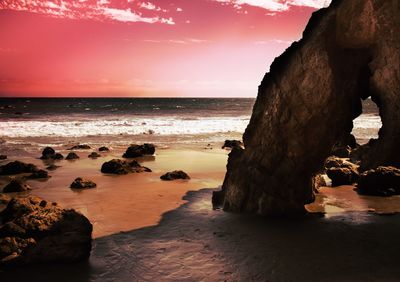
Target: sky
(134, 48)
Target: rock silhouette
(307, 102)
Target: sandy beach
(146, 229)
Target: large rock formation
(36, 231)
(307, 102)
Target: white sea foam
(123, 126)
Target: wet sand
(150, 230)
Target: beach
(146, 229)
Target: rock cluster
(16, 185)
(382, 181)
(36, 231)
(135, 151)
(341, 172)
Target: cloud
(101, 10)
(277, 41)
(276, 5)
(178, 41)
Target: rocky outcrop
(341, 172)
(173, 175)
(80, 183)
(116, 166)
(382, 181)
(135, 151)
(36, 231)
(307, 102)
(16, 185)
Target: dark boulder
(80, 183)
(104, 149)
(94, 155)
(382, 181)
(49, 153)
(72, 156)
(36, 231)
(217, 199)
(341, 176)
(176, 174)
(3, 157)
(232, 144)
(39, 174)
(80, 147)
(135, 151)
(17, 167)
(117, 166)
(16, 185)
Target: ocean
(27, 123)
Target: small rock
(232, 144)
(176, 174)
(16, 186)
(94, 155)
(52, 167)
(39, 174)
(3, 157)
(135, 151)
(103, 149)
(80, 183)
(80, 147)
(117, 166)
(48, 151)
(72, 156)
(341, 176)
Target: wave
(123, 126)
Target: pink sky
(155, 48)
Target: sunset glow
(158, 48)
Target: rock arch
(308, 100)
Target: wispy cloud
(178, 41)
(277, 41)
(277, 5)
(100, 10)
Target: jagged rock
(36, 231)
(39, 174)
(3, 157)
(116, 166)
(80, 147)
(382, 181)
(103, 149)
(307, 103)
(217, 199)
(17, 167)
(232, 144)
(16, 185)
(333, 161)
(72, 156)
(94, 155)
(80, 183)
(135, 151)
(176, 174)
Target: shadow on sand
(196, 243)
